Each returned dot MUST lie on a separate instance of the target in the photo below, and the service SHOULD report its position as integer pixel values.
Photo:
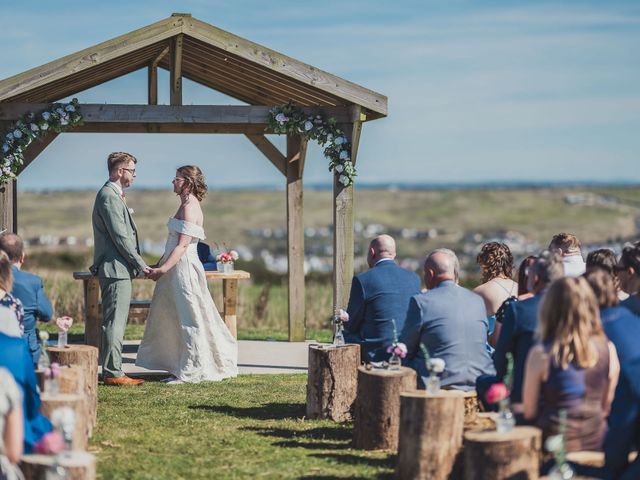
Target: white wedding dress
(185, 335)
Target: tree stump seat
(70, 380)
(49, 403)
(332, 381)
(377, 408)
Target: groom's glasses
(132, 171)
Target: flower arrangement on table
(291, 119)
(58, 117)
(499, 393)
(63, 324)
(227, 257)
(397, 349)
(338, 320)
(435, 366)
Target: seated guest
(605, 259)
(6, 299)
(206, 257)
(573, 368)
(15, 357)
(29, 289)
(629, 275)
(378, 296)
(521, 322)
(496, 264)
(11, 427)
(451, 322)
(568, 246)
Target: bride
(185, 334)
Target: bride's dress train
(185, 335)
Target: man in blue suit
(520, 324)
(15, 357)
(451, 322)
(29, 289)
(379, 297)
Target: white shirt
(574, 266)
(117, 187)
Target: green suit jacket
(116, 251)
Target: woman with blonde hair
(573, 368)
(11, 324)
(185, 334)
(496, 263)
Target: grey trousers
(116, 299)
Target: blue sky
(478, 91)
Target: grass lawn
(249, 427)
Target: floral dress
(15, 305)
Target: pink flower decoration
(50, 444)
(497, 392)
(55, 369)
(64, 323)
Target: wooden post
(77, 465)
(93, 315)
(85, 357)
(152, 77)
(490, 455)
(230, 295)
(296, 152)
(377, 411)
(49, 403)
(430, 439)
(332, 381)
(343, 220)
(175, 73)
(9, 207)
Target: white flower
(340, 140)
(329, 137)
(17, 133)
(59, 111)
(46, 116)
(34, 127)
(131, 211)
(344, 180)
(234, 254)
(6, 170)
(343, 315)
(44, 126)
(10, 136)
(553, 443)
(308, 125)
(436, 365)
(44, 336)
(64, 120)
(281, 118)
(5, 148)
(70, 108)
(344, 155)
(339, 168)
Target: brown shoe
(123, 380)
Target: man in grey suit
(116, 260)
(451, 322)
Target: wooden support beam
(8, 207)
(204, 114)
(270, 151)
(343, 222)
(175, 72)
(152, 85)
(296, 148)
(167, 128)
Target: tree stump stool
(77, 465)
(430, 438)
(77, 403)
(471, 408)
(85, 357)
(591, 459)
(332, 382)
(483, 421)
(490, 455)
(71, 380)
(377, 407)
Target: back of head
(523, 272)
(630, 257)
(6, 275)
(495, 260)
(602, 258)
(12, 245)
(567, 243)
(603, 285)
(194, 181)
(548, 267)
(384, 246)
(444, 264)
(567, 319)
(116, 160)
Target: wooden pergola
(260, 77)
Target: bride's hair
(193, 181)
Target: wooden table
(93, 309)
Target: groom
(116, 260)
